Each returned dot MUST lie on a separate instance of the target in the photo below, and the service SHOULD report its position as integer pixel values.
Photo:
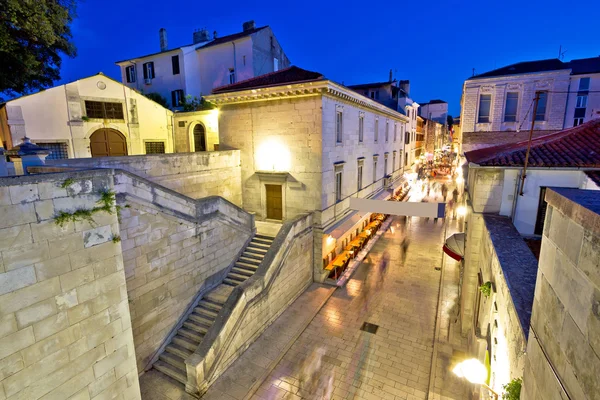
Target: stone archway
(108, 142)
(199, 134)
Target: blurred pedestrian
(404, 246)
(310, 372)
(383, 265)
(455, 195)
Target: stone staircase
(172, 361)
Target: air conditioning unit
(148, 81)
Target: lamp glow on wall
(272, 155)
(473, 371)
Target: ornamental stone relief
(543, 84)
(486, 89)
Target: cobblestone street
(396, 361)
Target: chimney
(201, 36)
(162, 33)
(248, 25)
(214, 35)
(405, 86)
(390, 75)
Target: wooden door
(107, 142)
(199, 138)
(274, 202)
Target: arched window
(199, 138)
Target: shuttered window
(104, 110)
(149, 70)
(177, 98)
(541, 214)
(175, 63)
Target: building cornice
(304, 89)
(476, 81)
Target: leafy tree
(158, 99)
(196, 104)
(33, 35)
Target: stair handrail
(201, 364)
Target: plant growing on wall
(106, 203)
(85, 118)
(512, 390)
(196, 104)
(486, 289)
(157, 98)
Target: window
(385, 162)
(359, 177)
(393, 161)
(130, 73)
(58, 151)
(407, 137)
(376, 129)
(177, 98)
(104, 110)
(155, 147)
(374, 170)
(338, 127)
(361, 128)
(175, 64)
(338, 186)
(387, 131)
(540, 115)
(405, 159)
(577, 121)
(149, 70)
(584, 84)
(581, 102)
(244, 59)
(231, 76)
(395, 131)
(510, 109)
(374, 94)
(485, 102)
(275, 64)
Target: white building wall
(215, 62)
(593, 99)
(526, 86)
(55, 115)
(437, 112)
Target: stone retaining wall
(65, 326)
(283, 275)
(197, 175)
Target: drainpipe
(567, 104)
(70, 126)
(234, 64)
(515, 197)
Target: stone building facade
(318, 143)
(564, 346)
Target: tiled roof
(435, 101)
(526, 67)
(577, 147)
(232, 37)
(289, 75)
(594, 176)
(370, 85)
(585, 65)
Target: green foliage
(512, 390)
(158, 99)
(34, 35)
(194, 104)
(116, 239)
(486, 289)
(106, 203)
(68, 182)
(85, 118)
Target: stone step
(178, 351)
(218, 295)
(171, 371)
(200, 319)
(249, 260)
(242, 271)
(209, 305)
(253, 256)
(237, 277)
(264, 237)
(185, 342)
(257, 245)
(206, 313)
(262, 241)
(174, 361)
(250, 267)
(231, 282)
(190, 334)
(255, 250)
(195, 327)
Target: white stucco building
(497, 106)
(310, 144)
(93, 116)
(205, 64)
(436, 110)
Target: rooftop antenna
(561, 54)
(473, 72)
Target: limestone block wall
(283, 275)
(173, 249)
(196, 175)
(65, 326)
(184, 124)
(565, 321)
(469, 288)
(276, 136)
(485, 189)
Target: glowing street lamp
(461, 211)
(475, 372)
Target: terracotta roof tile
(577, 147)
(289, 75)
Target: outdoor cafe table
(340, 262)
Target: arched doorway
(108, 142)
(199, 138)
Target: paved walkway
(396, 361)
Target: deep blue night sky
(435, 44)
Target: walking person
(404, 245)
(383, 265)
